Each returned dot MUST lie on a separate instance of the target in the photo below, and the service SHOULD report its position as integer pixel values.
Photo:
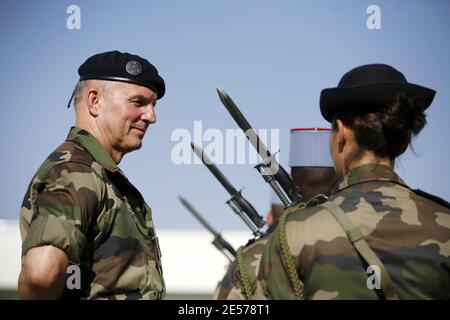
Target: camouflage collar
(91, 144)
(368, 172)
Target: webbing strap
(356, 238)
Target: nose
(149, 114)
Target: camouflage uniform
(240, 281)
(408, 232)
(80, 202)
(246, 264)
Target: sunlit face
(125, 114)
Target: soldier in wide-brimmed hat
(375, 238)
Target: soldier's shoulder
(70, 151)
(318, 199)
(433, 199)
(256, 246)
(303, 214)
(70, 155)
(300, 208)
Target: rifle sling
(356, 238)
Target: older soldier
(313, 172)
(80, 209)
(375, 237)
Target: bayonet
(237, 202)
(272, 172)
(219, 242)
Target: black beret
(125, 67)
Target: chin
(134, 145)
(137, 146)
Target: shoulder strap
(427, 195)
(316, 200)
(432, 197)
(356, 238)
(422, 193)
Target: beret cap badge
(134, 67)
(123, 67)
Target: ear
(93, 101)
(342, 132)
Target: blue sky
(272, 57)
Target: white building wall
(192, 266)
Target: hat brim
(369, 97)
(159, 87)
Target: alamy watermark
(73, 281)
(374, 279)
(374, 20)
(73, 21)
(229, 148)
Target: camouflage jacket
(240, 281)
(408, 232)
(80, 202)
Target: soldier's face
(127, 112)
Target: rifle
(237, 202)
(220, 243)
(272, 172)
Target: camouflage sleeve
(250, 264)
(63, 206)
(240, 282)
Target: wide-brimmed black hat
(370, 87)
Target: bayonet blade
(220, 243)
(214, 170)
(200, 219)
(269, 161)
(245, 126)
(237, 202)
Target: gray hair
(79, 87)
(78, 91)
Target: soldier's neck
(369, 158)
(103, 139)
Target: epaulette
(320, 198)
(432, 197)
(70, 151)
(315, 201)
(79, 153)
(66, 152)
